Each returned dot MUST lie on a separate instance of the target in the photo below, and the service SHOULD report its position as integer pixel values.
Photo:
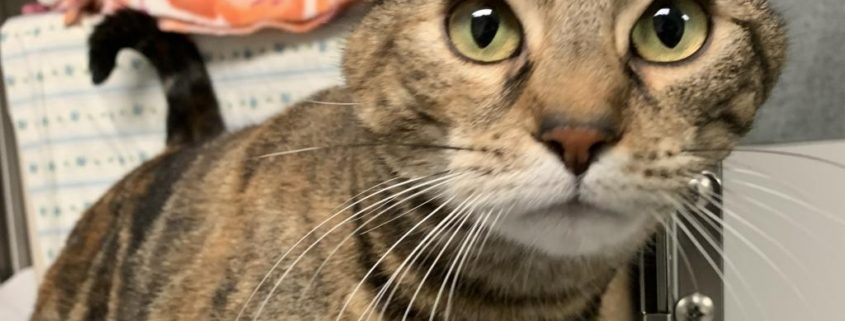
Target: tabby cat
(486, 160)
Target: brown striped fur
(191, 234)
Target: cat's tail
(193, 111)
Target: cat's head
(581, 121)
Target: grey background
(809, 257)
(809, 102)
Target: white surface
(798, 205)
(17, 297)
(75, 140)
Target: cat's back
(191, 232)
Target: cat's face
(582, 115)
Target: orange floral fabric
(219, 17)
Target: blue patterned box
(75, 140)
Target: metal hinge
(667, 289)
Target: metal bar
(12, 208)
(705, 280)
(665, 280)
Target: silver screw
(703, 187)
(696, 307)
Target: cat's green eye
(671, 31)
(485, 31)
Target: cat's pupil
(485, 26)
(670, 24)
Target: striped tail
(193, 111)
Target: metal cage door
(677, 281)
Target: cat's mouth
(574, 228)
(576, 208)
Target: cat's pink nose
(576, 146)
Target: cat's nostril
(576, 146)
(596, 149)
(555, 147)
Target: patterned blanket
(75, 139)
(218, 17)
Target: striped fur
(312, 214)
(193, 112)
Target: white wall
(808, 252)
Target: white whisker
(800, 202)
(489, 232)
(461, 248)
(411, 259)
(279, 261)
(684, 258)
(466, 216)
(330, 103)
(716, 269)
(420, 248)
(295, 151)
(384, 256)
(475, 237)
(778, 213)
(760, 253)
(358, 229)
(755, 229)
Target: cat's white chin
(544, 207)
(574, 230)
